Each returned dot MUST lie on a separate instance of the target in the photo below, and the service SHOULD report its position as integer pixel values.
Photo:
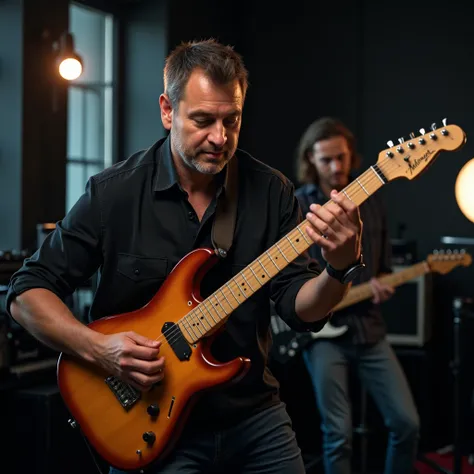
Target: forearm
(318, 296)
(48, 319)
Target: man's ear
(166, 111)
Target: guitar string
(187, 321)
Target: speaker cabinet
(39, 437)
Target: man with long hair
(326, 161)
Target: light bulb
(70, 69)
(464, 190)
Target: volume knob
(149, 437)
(153, 410)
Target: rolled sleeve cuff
(18, 287)
(293, 320)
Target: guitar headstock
(444, 261)
(410, 157)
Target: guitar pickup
(177, 341)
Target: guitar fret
(230, 289)
(201, 321)
(219, 303)
(249, 285)
(284, 256)
(239, 290)
(199, 306)
(194, 325)
(228, 302)
(361, 185)
(304, 236)
(186, 328)
(264, 269)
(376, 174)
(256, 277)
(347, 195)
(273, 261)
(291, 243)
(214, 309)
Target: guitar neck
(202, 320)
(363, 291)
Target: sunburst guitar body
(130, 429)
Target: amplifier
(408, 313)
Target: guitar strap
(226, 211)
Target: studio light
(69, 63)
(464, 190)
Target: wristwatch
(348, 274)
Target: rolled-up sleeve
(70, 254)
(286, 285)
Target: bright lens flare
(70, 69)
(464, 190)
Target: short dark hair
(321, 129)
(220, 62)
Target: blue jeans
(264, 443)
(382, 376)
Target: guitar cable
(93, 454)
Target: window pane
(75, 123)
(94, 123)
(88, 28)
(75, 183)
(90, 114)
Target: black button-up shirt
(134, 223)
(364, 319)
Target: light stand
(459, 307)
(456, 371)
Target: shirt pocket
(138, 268)
(136, 281)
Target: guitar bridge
(125, 394)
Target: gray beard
(192, 163)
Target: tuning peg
(390, 143)
(412, 135)
(433, 126)
(422, 131)
(401, 140)
(444, 122)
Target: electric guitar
(288, 342)
(131, 430)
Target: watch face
(353, 273)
